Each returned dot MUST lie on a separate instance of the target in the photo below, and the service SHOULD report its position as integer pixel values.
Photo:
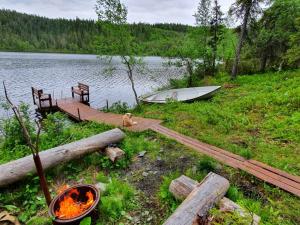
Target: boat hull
(181, 95)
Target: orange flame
(71, 207)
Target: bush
(165, 195)
(119, 107)
(207, 164)
(11, 129)
(117, 198)
(249, 66)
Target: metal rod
(107, 104)
(43, 181)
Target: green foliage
(273, 39)
(233, 193)
(257, 118)
(11, 129)
(86, 221)
(39, 221)
(220, 218)
(119, 107)
(54, 126)
(117, 199)
(165, 195)
(207, 164)
(102, 178)
(41, 34)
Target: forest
(22, 32)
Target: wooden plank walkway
(276, 177)
(262, 171)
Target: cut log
(194, 209)
(114, 153)
(19, 169)
(183, 186)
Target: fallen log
(114, 153)
(194, 209)
(183, 186)
(19, 169)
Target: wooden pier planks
(281, 179)
(82, 112)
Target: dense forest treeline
(23, 32)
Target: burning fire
(71, 206)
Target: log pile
(194, 209)
(185, 188)
(19, 169)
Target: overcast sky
(150, 11)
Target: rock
(146, 213)
(145, 174)
(158, 159)
(142, 154)
(101, 186)
(155, 172)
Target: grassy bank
(255, 116)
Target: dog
(127, 120)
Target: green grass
(259, 118)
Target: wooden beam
(19, 169)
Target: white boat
(181, 95)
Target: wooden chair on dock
(82, 90)
(41, 100)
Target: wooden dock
(276, 177)
(82, 112)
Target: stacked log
(182, 187)
(194, 209)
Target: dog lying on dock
(127, 120)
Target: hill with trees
(23, 32)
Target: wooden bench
(40, 99)
(82, 90)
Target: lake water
(56, 73)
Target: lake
(56, 73)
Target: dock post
(78, 114)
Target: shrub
(11, 129)
(117, 198)
(165, 195)
(119, 107)
(207, 164)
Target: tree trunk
(241, 41)
(194, 209)
(263, 62)
(130, 76)
(190, 72)
(19, 169)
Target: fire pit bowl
(74, 204)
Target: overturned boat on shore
(181, 95)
